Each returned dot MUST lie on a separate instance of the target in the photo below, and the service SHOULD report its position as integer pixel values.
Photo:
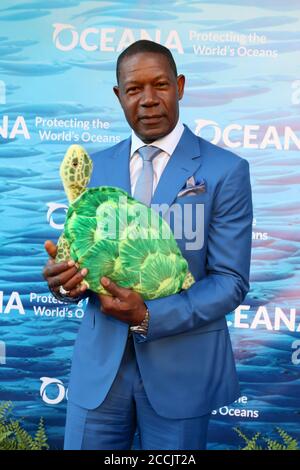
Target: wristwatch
(142, 328)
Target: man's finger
(112, 288)
(78, 291)
(75, 280)
(61, 279)
(57, 268)
(51, 248)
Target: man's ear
(117, 92)
(180, 85)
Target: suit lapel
(116, 169)
(119, 167)
(182, 164)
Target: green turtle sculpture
(114, 235)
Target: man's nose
(149, 97)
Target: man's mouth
(151, 119)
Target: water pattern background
(41, 80)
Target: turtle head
(75, 171)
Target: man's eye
(132, 89)
(161, 84)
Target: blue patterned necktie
(143, 188)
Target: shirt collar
(166, 144)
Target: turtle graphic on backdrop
(112, 234)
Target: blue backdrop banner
(57, 69)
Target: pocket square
(192, 188)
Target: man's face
(149, 93)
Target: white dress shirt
(167, 145)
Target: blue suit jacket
(186, 361)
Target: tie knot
(148, 152)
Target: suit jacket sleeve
(227, 267)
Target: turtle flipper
(64, 254)
(189, 280)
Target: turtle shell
(114, 235)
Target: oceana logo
(57, 389)
(53, 207)
(2, 352)
(251, 136)
(65, 38)
(72, 36)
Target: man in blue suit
(161, 365)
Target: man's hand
(63, 274)
(125, 304)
